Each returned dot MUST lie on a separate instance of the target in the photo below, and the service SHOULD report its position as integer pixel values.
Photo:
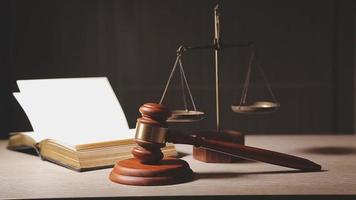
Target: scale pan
(256, 107)
(183, 116)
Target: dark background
(306, 49)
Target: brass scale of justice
(186, 115)
(148, 167)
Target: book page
(30, 115)
(74, 110)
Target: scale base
(167, 172)
(209, 156)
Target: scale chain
(186, 83)
(169, 79)
(182, 86)
(247, 81)
(263, 74)
(267, 82)
(248, 77)
(183, 81)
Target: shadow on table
(240, 161)
(330, 150)
(29, 151)
(234, 175)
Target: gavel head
(151, 130)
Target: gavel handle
(247, 152)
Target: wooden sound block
(209, 156)
(168, 171)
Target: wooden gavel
(152, 133)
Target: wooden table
(26, 176)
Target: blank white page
(74, 110)
(30, 115)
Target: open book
(77, 123)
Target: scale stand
(188, 115)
